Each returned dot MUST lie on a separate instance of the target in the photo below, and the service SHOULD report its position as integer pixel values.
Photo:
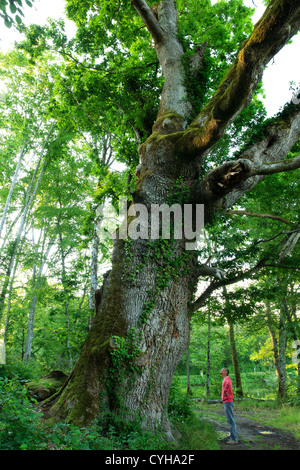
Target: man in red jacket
(227, 399)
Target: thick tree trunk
(94, 270)
(138, 337)
(141, 328)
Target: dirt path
(253, 435)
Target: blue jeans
(228, 408)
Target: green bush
(18, 419)
(178, 405)
(63, 436)
(21, 428)
(19, 371)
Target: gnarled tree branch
(149, 19)
(271, 168)
(163, 27)
(222, 186)
(259, 215)
(211, 271)
(280, 22)
(214, 285)
(284, 248)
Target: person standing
(227, 399)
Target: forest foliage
(72, 114)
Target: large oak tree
(141, 328)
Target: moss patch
(47, 385)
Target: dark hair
(227, 370)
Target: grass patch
(198, 435)
(287, 418)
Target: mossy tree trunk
(141, 328)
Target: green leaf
(7, 23)
(12, 8)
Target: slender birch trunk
(29, 199)
(282, 357)
(294, 319)
(8, 232)
(33, 303)
(284, 320)
(270, 324)
(14, 180)
(236, 367)
(188, 380)
(63, 256)
(10, 290)
(234, 354)
(208, 355)
(13, 183)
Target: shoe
(232, 442)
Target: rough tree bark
(141, 328)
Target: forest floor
(253, 432)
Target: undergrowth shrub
(19, 427)
(19, 372)
(179, 407)
(197, 435)
(22, 427)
